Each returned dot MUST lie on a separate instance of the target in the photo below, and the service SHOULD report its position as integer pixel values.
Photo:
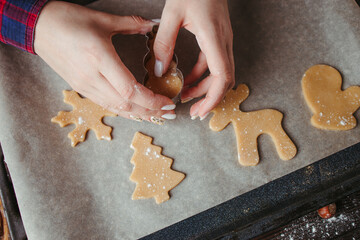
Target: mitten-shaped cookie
(332, 107)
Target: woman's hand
(76, 42)
(209, 21)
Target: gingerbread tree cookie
(152, 171)
(249, 125)
(333, 108)
(85, 115)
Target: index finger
(221, 72)
(126, 85)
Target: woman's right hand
(76, 42)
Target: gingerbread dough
(85, 115)
(333, 108)
(249, 125)
(170, 84)
(152, 171)
(4, 228)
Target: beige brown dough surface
(85, 115)
(332, 107)
(170, 83)
(152, 171)
(249, 125)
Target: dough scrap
(249, 125)
(170, 84)
(4, 227)
(333, 108)
(152, 171)
(85, 115)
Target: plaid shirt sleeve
(17, 22)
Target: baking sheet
(84, 192)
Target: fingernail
(158, 69)
(188, 99)
(169, 116)
(195, 113)
(157, 121)
(169, 107)
(156, 20)
(203, 117)
(136, 118)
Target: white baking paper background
(85, 192)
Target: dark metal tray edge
(250, 214)
(275, 203)
(11, 209)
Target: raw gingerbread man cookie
(332, 107)
(152, 171)
(249, 125)
(85, 115)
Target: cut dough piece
(4, 227)
(85, 115)
(152, 171)
(249, 125)
(170, 84)
(333, 108)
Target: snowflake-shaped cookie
(85, 115)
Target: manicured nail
(188, 99)
(195, 113)
(203, 117)
(156, 20)
(159, 68)
(136, 118)
(169, 116)
(157, 121)
(169, 107)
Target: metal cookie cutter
(150, 38)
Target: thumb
(130, 24)
(165, 42)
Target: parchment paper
(85, 192)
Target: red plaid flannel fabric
(17, 22)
